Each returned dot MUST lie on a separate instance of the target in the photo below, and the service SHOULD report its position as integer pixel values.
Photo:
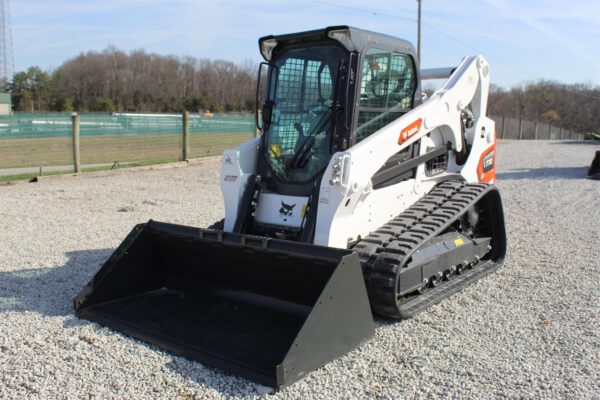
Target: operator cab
(325, 90)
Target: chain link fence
(44, 141)
(28, 140)
(515, 128)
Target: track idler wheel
(424, 286)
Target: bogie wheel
(450, 273)
(436, 280)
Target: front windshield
(302, 88)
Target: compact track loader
(360, 195)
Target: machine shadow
(545, 173)
(579, 142)
(50, 291)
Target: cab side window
(387, 90)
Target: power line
(468, 46)
(424, 24)
(375, 13)
(464, 44)
(504, 63)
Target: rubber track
(384, 252)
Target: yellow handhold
(276, 149)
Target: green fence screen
(30, 141)
(45, 139)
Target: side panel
(347, 179)
(236, 166)
(484, 145)
(359, 213)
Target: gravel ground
(530, 330)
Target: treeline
(113, 80)
(575, 107)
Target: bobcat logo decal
(286, 210)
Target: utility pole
(419, 32)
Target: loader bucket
(594, 170)
(268, 310)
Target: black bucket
(268, 310)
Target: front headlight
(266, 48)
(342, 36)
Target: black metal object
(307, 235)
(388, 252)
(392, 173)
(247, 205)
(450, 249)
(268, 310)
(359, 40)
(594, 170)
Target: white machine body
(348, 207)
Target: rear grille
(437, 165)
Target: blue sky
(522, 40)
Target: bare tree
(148, 82)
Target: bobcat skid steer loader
(359, 196)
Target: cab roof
(358, 40)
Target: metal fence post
(503, 127)
(550, 131)
(535, 130)
(76, 163)
(561, 133)
(520, 128)
(186, 136)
